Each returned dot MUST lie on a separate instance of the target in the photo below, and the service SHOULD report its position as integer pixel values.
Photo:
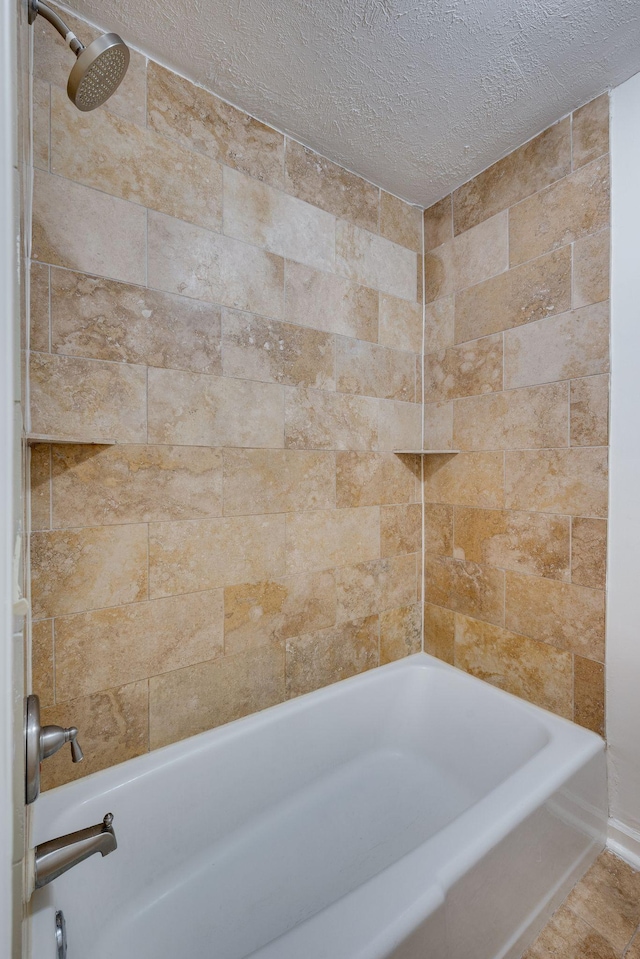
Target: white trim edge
(624, 842)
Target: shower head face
(98, 72)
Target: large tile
(608, 898)
(465, 479)
(439, 324)
(466, 370)
(255, 348)
(439, 272)
(588, 694)
(313, 178)
(591, 257)
(330, 421)
(439, 632)
(107, 152)
(192, 555)
(39, 307)
(567, 616)
(574, 207)
(589, 551)
(374, 261)
(112, 647)
(42, 669)
(201, 121)
(113, 727)
(400, 529)
(438, 426)
(590, 131)
(326, 538)
(80, 398)
(74, 570)
(328, 302)
(567, 936)
(400, 424)
(107, 320)
(117, 249)
(368, 588)
(481, 252)
(558, 348)
(400, 633)
(40, 486)
(438, 531)
(515, 419)
(191, 700)
(558, 481)
(258, 214)
(465, 588)
(400, 222)
(526, 293)
(590, 411)
(40, 119)
(206, 266)
(373, 370)
(373, 479)
(104, 485)
(278, 481)
(190, 409)
(264, 612)
(534, 671)
(329, 655)
(534, 543)
(400, 324)
(438, 223)
(526, 170)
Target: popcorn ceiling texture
(415, 96)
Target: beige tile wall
(244, 318)
(516, 377)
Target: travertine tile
(526, 293)
(589, 551)
(328, 302)
(313, 178)
(331, 421)
(590, 411)
(400, 529)
(465, 587)
(439, 319)
(256, 213)
(515, 419)
(188, 701)
(112, 647)
(466, 370)
(567, 616)
(438, 223)
(368, 588)
(201, 121)
(278, 481)
(534, 671)
(439, 632)
(400, 325)
(373, 370)
(534, 543)
(482, 251)
(114, 726)
(438, 531)
(40, 486)
(591, 257)
(608, 898)
(400, 222)
(42, 661)
(117, 249)
(569, 937)
(205, 554)
(103, 150)
(186, 259)
(191, 409)
(373, 479)
(526, 170)
(572, 208)
(329, 655)
(465, 479)
(400, 424)
(255, 348)
(558, 348)
(588, 694)
(259, 613)
(375, 262)
(323, 539)
(439, 272)
(438, 426)
(40, 106)
(107, 320)
(590, 131)
(87, 398)
(558, 481)
(75, 570)
(400, 633)
(39, 307)
(104, 485)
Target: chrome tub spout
(56, 856)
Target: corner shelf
(34, 438)
(426, 452)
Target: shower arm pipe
(38, 7)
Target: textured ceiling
(416, 95)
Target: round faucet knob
(108, 819)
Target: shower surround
(244, 319)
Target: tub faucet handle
(76, 752)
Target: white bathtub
(412, 812)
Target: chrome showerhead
(100, 67)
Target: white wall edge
(624, 842)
